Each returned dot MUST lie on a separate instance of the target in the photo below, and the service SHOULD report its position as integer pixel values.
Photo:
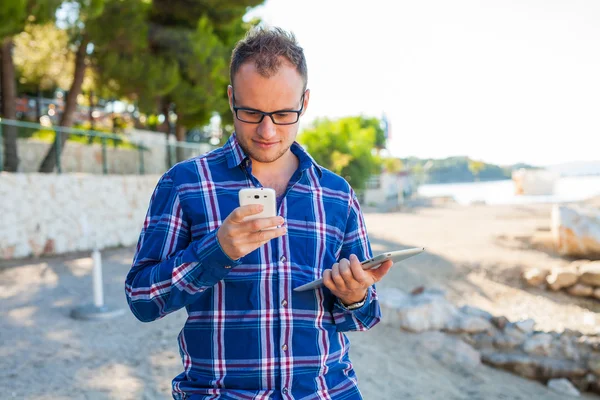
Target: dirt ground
(476, 253)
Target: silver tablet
(371, 263)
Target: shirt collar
(236, 155)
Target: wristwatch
(354, 306)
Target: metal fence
(91, 151)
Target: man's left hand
(349, 282)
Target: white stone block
(576, 230)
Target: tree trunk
(92, 105)
(91, 115)
(68, 115)
(164, 108)
(180, 135)
(9, 110)
(38, 105)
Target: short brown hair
(265, 46)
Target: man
(248, 334)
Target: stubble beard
(256, 155)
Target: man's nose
(267, 129)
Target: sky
(503, 81)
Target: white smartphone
(265, 196)
(372, 263)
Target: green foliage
(175, 50)
(204, 76)
(345, 146)
(48, 135)
(199, 36)
(392, 165)
(122, 58)
(15, 14)
(148, 52)
(476, 167)
(42, 58)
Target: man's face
(267, 142)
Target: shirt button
(284, 303)
(284, 347)
(284, 390)
(282, 259)
(228, 266)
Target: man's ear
(230, 96)
(306, 98)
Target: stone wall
(55, 214)
(87, 158)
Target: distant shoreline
(505, 179)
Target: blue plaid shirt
(248, 335)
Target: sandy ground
(476, 253)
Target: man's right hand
(238, 237)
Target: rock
(567, 347)
(526, 325)
(426, 311)
(594, 383)
(577, 264)
(589, 343)
(576, 230)
(390, 300)
(483, 340)
(510, 338)
(473, 324)
(581, 290)
(417, 290)
(468, 339)
(534, 182)
(590, 273)
(594, 364)
(535, 276)
(463, 323)
(534, 367)
(571, 333)
(450, 350)
(538, 344)
(561, 277)
(500, 322)
(563, 386)
(584, 383)
(476, 312)
(435, 314)
(391, 297)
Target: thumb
(380, 272)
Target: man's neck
(277, 174)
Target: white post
(97, 310)
(97, 278)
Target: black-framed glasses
(281, 117)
